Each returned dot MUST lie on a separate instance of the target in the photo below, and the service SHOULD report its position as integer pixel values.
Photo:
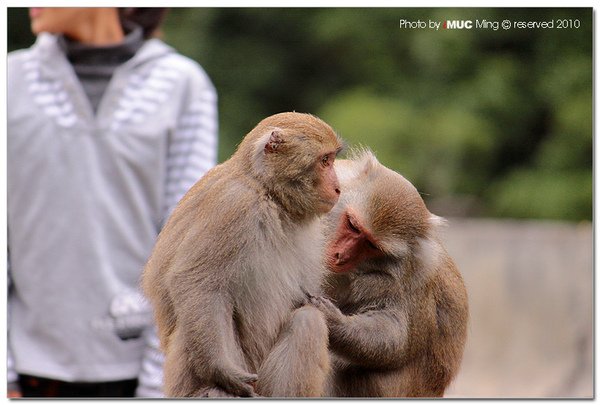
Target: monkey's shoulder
(451, 298)
(447, 282)
(220, 193)
(231, 210)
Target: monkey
(398, 325)
(228, 274)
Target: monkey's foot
(213, 392)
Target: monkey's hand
(307, 298)
(328, 308)
(306, 293)
(236, 382)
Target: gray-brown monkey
(229, 270)
(400, 328)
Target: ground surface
(530, 288)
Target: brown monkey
(228, 273)
(401, 324)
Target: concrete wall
(530, 288)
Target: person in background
(107, 128)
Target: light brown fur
(231, 265)
(398, 326)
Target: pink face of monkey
(329, 186)
(351, 245)
(380, 214)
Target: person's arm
(193, 146)
(151, 375)
(13, 388)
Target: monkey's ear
(269, 142)
(369, 161)
(274, 142)
(437, 221)
(435, 224)
(429, 253)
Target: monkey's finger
(369, 308)
(316, 302)
(238, 388)
(236, 382)
(305, 292)
(249, 378)
(313, 299)
(248, 384)
(329, 309)
(327, 303)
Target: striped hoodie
(87, 196)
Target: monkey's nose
(337, 191)
(338, 258)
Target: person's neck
(102, 29)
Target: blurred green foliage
(483, 121)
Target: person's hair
(149, 19)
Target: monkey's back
(239, 232)
(430, 372)
(442, 325)
(166, 250)
(452, 316)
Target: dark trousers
(44, 387)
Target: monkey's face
(303, 169)
(328, 186)
(292, 155)
(380, 214)
(352, 244)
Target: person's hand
(14, 394)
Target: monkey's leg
(298, 364)
(165, 322)
(212, 392)
(180, 379)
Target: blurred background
(494, 127)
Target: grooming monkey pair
(237, 277)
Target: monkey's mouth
(340, 269)
(327, 205)
(337, 265)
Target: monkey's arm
(205, 321)
(376, 338)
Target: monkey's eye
(371, 245)
(352, 225)
(325, 160)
